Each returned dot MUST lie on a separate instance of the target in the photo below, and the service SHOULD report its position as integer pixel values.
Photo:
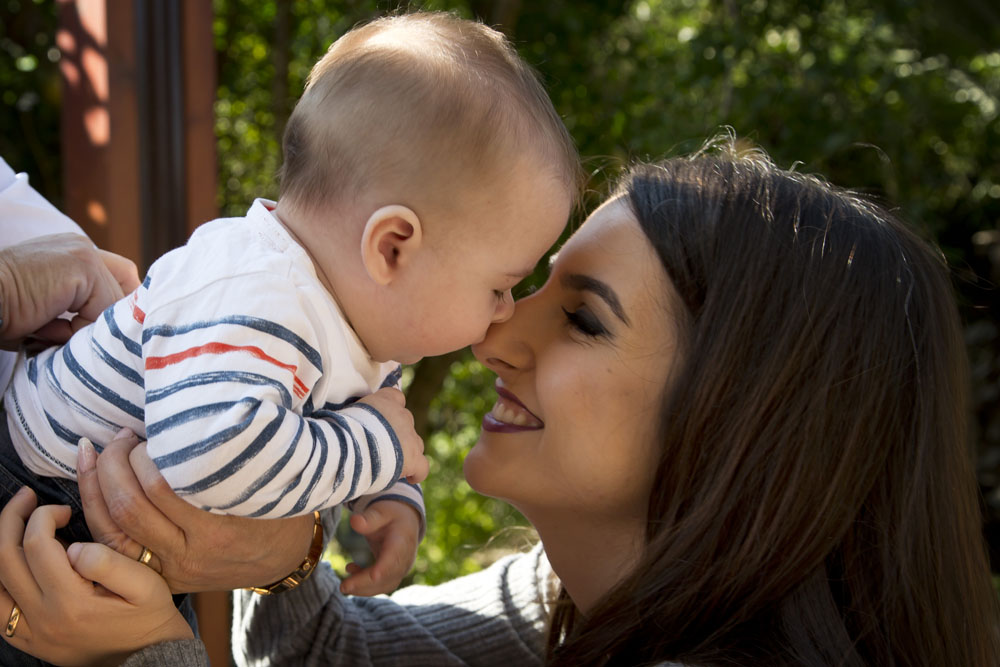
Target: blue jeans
(51, 491)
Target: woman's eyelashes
(585, 322)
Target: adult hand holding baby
(129, 505)
(47, 276)
(63, 617)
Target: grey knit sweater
(494, 617)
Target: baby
(426, 172)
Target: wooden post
(92, 162)
(139, 161)
(199, 114)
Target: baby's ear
(391, 235)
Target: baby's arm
(222, 395)
(386, 521)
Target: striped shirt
(239, 369)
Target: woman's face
(582, 367)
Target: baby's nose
(504, 309)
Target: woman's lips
(509, 415)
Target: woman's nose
(505, 348)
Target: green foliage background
(898, 99)
(30, 92)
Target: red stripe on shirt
(153, 363)
(137, 313)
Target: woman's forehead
(612, 246)
(612, 226)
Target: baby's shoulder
(231, 252)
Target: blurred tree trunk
(427, 378)
(281, 54)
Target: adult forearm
(492, 618)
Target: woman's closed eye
(584, 321)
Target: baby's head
(426, 172)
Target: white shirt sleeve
(25, 214)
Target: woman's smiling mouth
(509, 415)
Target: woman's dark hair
(815, 502)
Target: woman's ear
(391, 235)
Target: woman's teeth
(508, 415)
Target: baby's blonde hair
(421, 103)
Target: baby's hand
(391, 403)
(392, 529)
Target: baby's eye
(500, 295)
(585, 322)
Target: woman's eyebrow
(580, 282)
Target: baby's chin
(409, 357)
(399, 356)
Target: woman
(735, 414)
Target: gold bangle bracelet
(304, 569)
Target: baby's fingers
(393, 560)
(417, 469)
(370, 521)
(357, 582)
(392, 394)
(365, 581)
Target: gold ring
(15, 616)
(145, 556)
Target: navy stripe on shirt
(70, 400)
(303, 500)
(126, 372)
(105, 392)
(270, 473)
(392, 436)
(238, 461)
(218, 377)
(129, 344)
(194, 450)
